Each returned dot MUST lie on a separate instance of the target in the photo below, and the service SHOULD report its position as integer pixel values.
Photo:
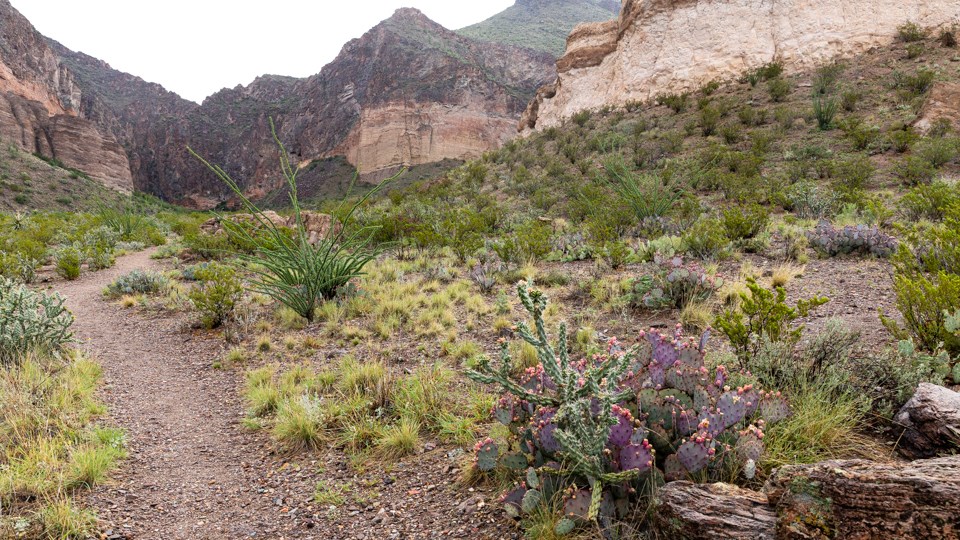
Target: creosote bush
(138, 282)
(762, 315)
(217, 294)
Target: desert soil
(195, 473)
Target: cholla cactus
(602, 426)
(31, 321)
(852, 239)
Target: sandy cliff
(658, 46)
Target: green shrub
(709, 120)
(763, 316)
(649, 195)
(31, 322)
(731, 133)
(850, 99)
(67, 260)
(531, 241)
(825, 110)
(937, 152)
(743, 223)
(911, 32)
(779, 89)
(914, 171)
(915, 50)
(296, 272)
(676, 102)
(923, 302)
(929, 202)
(138, 282)
(852, 176)
(901, 139)
(674, 285)
(918, 83)
(706, 240)
(217, 294)
(811, 201)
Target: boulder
(864, 500)
(943, 103)
(932, 422)
(691, 511)
(316, 224)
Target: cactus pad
(487, 453)
(531, 499)
(621, 432)
(576, 505)
(774, 408)
(564, 527)
(695, 454)
(517, 462)
(637, 456)
(732, 408)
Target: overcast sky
(197, 47)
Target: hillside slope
(659, 46)
(541, 24)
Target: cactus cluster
(598, 431)
(852, 239)
(674, 285)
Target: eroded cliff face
(661, 46)
(40, 102)
(408, 92)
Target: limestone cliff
(661, 46)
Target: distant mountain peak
(541, 24)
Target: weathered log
(864, 500)
(932, 422)
(691, 511)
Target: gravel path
(192, 473)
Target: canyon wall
(39, 107)
(659, 46)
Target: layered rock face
(408, 92)
(661, 46)
(39, 107)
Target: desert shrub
(581, 118)
(911, 32)
(834, 241)
(674, 285)
(850, 99)
(709, 120)
(901, 140)
(891, 377)
(762, 315)
(824, 110)
(743, 223)
(863, 137)
(731, 133)
(578, 413)
(924, 301)
(915, 50)
(217, 293)
(296, 272)
(31, 322)
(67, 260)
(811, 201)
(929, 201)
(676, 102)
(938, 151)
(948, 38)
(916, 84)
(706, 240)
(531, 241)
(649, 195)
(852, 176)
(779, 89)
(765, 72)
(138, 282)
(914, 170)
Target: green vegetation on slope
(541, 24)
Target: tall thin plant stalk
(293, 271)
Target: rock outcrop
(317, 226)
(863, 500)
(408, 92)
(943, 105)
(931, 421)
(40, 103)
(690, 511)
(659, 46)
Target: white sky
(197, 47)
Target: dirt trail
(192, 472)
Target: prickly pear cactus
(617, 420)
